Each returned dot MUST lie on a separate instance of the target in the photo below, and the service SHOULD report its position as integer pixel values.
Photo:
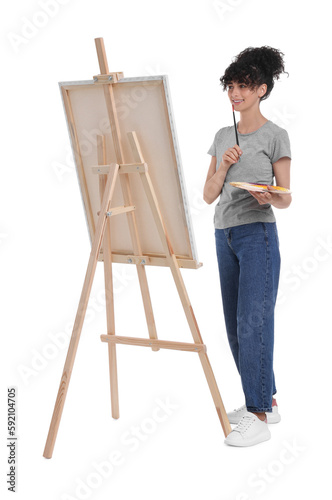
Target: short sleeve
(212, 150)
(281, 146)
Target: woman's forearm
(281, 200)
(213, 186)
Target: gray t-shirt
(260, 149)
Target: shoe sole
(250, 443)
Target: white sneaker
(273, 417)
(250, 430)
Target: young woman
(246, 234)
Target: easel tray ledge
(151, 260)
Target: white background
(44, 249)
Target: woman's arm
(281, 170)
(215, 179)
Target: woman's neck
(249, 122)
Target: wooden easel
(108, 174)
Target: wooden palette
(261, 188)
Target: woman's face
(243, 98)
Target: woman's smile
(237, 101)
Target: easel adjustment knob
(137, 259)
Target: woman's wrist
(281, 200)
(223, 169)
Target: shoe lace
(244, 423)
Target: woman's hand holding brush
(231, 156)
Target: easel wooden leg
(107, 253)
(83, 303)
(173, 264)
(187, 308)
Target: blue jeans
(249, 268)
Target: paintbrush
(235, 128)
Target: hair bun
(267, 59)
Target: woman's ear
(262, 90)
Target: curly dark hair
(255, 66)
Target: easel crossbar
(118, 210)
(124, 168)
(164, 344)
(151, 259)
